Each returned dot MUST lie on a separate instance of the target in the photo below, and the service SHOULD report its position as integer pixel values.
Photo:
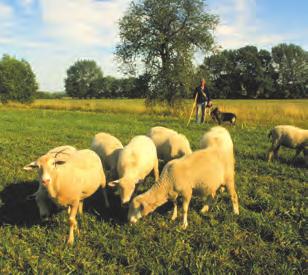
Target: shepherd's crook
(192, 110)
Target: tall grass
(247, 111)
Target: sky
(52, 34)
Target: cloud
(86, 22)
(241, 26)
(5, 11)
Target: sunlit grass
(247, 111)
(267, 237)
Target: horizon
(63, 32)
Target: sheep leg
(276, 152)
(175, 211)
(273, 150)
(72, 222)
(106, 198)
(298, 151)
(209, 201)
(234, 197)
(186, 201)
(43, 203)
(80, 208)
(156, 171)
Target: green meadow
(268, 236)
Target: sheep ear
(31, 166)
(114, 183)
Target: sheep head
(46, 166)
(126, 187)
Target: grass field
(267, 237)
(248, 111)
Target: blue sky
(53, 34)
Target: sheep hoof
(70, 242)
(184, 225)
(204, 209)
(173, 218)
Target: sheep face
(139, 207)
(45, 165)
(135, 211)
(126, 188)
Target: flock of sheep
(67, 176)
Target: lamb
(288, 136)
(41, 195)
(69, 181)
(137, 159)
(169, 143)
(108, 148)
(203, 171)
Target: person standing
(203, 99)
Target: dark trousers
(202, 107)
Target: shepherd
(202, 98)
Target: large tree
(291, 64)
(83, 79)
(17, 80)
(164, 35)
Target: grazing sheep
(169, 143)
(69, 181)
(108, 148)
(203, 171)
(220, 117)
(216, 136)
(137, 159)
(41, 195)
(288, 136)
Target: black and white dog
(222, 117)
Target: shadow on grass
(17, 209)
(298, 163)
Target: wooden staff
(192, 110)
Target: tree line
(241, 73)
(251, 73)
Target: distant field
(268, 237)
(247, 111)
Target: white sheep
(203, 171)
(288, 136)
(169, 143)
(69, 181)
(41, 195)
(137, 159)
(216, 136)
(108, 148)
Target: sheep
(288, 136)
(216, 136)
(41, 195)
(108, 148)
(69, 181)
(137, 159)
(203, 171)
(169, 143)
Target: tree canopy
(164, 35)
(17, 80)
(251, 73)
(83, 79)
